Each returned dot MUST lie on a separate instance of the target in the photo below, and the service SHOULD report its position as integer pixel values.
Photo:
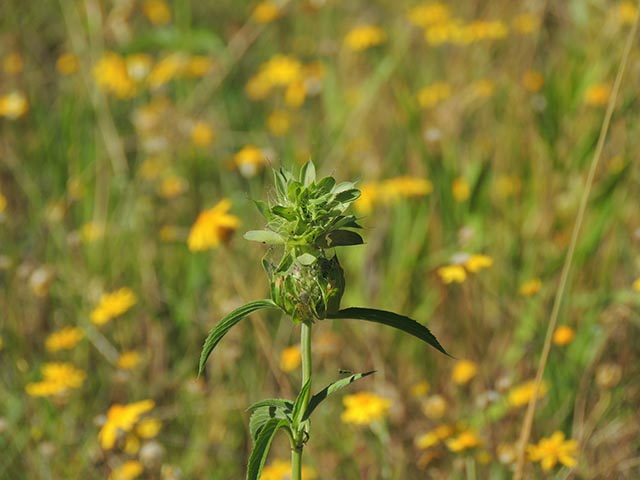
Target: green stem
(302, 433)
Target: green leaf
(308, 173)
(280, 181)
(331, 388)
(343, 187)
(221, 329)
(325, 185)
(391, 319)
(261, 446)
(266, 410)
(264, 236)
(286, 213)
(348, 196)
(301, 400)
(340, 238)
(264, 209)
(306, 259)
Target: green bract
(307, 219)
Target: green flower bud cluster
(308, 220)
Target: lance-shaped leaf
(301, 401)
(308, 173)
(332, 388)
(261, 446)
(266, 410)
(224, 325)
(340, 238)
(391, 319)
(264, 236)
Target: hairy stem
(302, 433)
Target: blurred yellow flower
(57, 378)
(364, 408)
(249, 160)
(369, 196)
(129, 470)
(148, 427)
(532, 80)
(122, 418)
(433, 94)
(157, 11)
(202, 134)
(41, 279)
(483, 30)
(549, 451)
(265, 12)
(452, 274)
(290, 358)
(67, 64)
(420, 389)
(281, 470)
(3, 203)
(530, 287)
(172, 186)
(365, 36)
(281, 70)
(212, 227)
(151, 168)
(279, 123)
(434, 437)
(482, 88)
(403, 187)
(464, 371)
(448, 31)
(463, 441)
(434, 407)
(635, 285)
(112, 76)
(627, 12)
(112, 305)
(478, 262)
(520, 395)
(64, 339)
(597, 95)
(461, 190)
(13, 105)
(198, 66)
(563, 335)
(166, 69)
(526, 23)
(508, 185)
(128, 360)
(295, 94)
(138, 66)
(91, 231)
(12, 63)
(427, 14)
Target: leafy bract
(222, 327)
(401, 322)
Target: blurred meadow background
(134, 135)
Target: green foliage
(332, 388)
(262, 444)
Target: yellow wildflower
(627, 12)
(478, 262)
(265, 12)
(483, 30)
(363, 37)
(563, 335)
(399, 187)
(112, 305)
(520, 395)
(64, 339)
(369, 195)
(13, 63)
(427, 14)
(112, 76)
(122, 418)
(364, 408)
(166, 70)
(172, 186)
(464, 371)
(198, 66)
(549, 451)
(290, 358)
(532, 81)
(482, 88)
(420, 389)
(635, 285)
(279, 123)
(91, 231)
(281, 470)
(13, 105)
(129, 470)
(295, 94)
(151, 168)
(257, 88)
(448, 31)
(530, 287)
(148, 427)
(157, 11)
(463, 441)
(434, 407)
(526, 23)
(128, 360)
(67, 64)
(138, 66)
(212, 227)
(249, 160)
(202, 134)
(281, 71)
(597, 95)
(452, 274)
(433, 437)
(433, 94)
(461, 190)
(57, 379)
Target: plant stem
(296, 450)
